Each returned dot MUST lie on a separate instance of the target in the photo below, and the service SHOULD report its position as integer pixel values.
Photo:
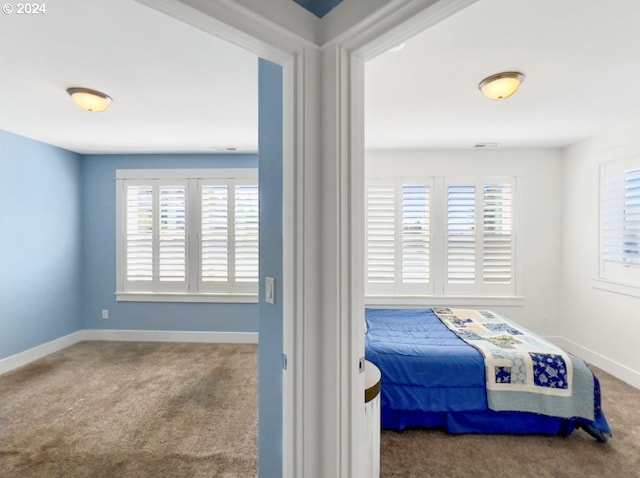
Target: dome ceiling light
(89, 100)
(501, 85)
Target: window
(620, 221)
(440, 237)
(398, 237)
(187, 235)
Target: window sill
(616, 287)
(179, 297)
(456, 301)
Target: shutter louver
(380, 233)
(214, 240)
(246, 233)
(139, 233)
(461, 234)
(497, 239)
(172, 234)
(415, 234)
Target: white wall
(541, 173)
(602, 327)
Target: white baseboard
(23, 358)
(171, 336)
(618, 370)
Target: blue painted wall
(99, 258)
(271, 256)
(40, 243)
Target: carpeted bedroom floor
(125, 410)
(436, 454)
(118, 409)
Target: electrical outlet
(105, 314)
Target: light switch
(270, 290)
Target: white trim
(23, 358)
(293, 266)
(184, 297)
(35, 353)
(233, 22)
(169, 173)
(354, 211)
(204, 337)
(457, 301)
(617, 287)
(618, 370)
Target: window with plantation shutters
(187, 235)
(155, 236)
(398, 237)
(479, 242)
(620, 221)
(440, 237)
(229, 235)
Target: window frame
(612, 277)
(438, 292)
(190, 291)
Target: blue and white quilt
(523, 371)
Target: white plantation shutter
(214, 242)
(246, 233)
(461, 234)
(632, 218)
(187, 235)
(497, 234)
(620, 221)
(139, 232)
(381, 238)
(398, 238)
(415, 234)
(172, 244)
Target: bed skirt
(489, 421)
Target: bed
(475, 371)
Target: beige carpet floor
(109, 409)
(138, 410)
(436, 454)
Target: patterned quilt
(523, 371)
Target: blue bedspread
(430, 377)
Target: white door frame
(323, 210)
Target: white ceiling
(176, 89)
(581, 59)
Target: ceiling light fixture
(89, 100)
(501, 85)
